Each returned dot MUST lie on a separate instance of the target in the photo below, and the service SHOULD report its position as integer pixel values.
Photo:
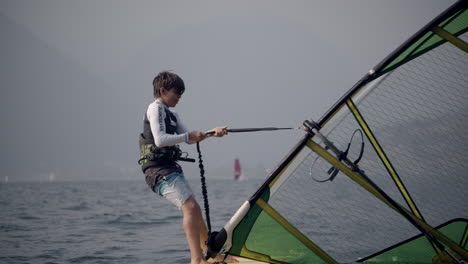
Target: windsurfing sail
(238, 174)
(382, 176)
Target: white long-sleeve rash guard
(156, 115)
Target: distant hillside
(54, 114)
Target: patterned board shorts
(175, 188)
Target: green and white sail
(411, 113)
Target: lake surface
(103, 221)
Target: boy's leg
(204, 238)
(191, 223)
(203, 231)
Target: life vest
(150, 154)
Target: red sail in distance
(237, 170)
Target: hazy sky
(76, 75)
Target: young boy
(162, 131)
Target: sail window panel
(419, 114)
(341, 217)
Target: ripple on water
(83, 206)
(104, 259)
(10, 227)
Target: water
(103, 222)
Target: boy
(162, 131)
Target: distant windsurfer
(162, 131)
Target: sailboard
(238, 174)
(247, 261)
(380, 177)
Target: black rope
(361, 152)
(333, 171)
(204, 191)
(211, 235)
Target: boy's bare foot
(200, 262)
(229, 259)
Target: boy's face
(170, 97)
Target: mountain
(55, 115)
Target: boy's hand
(218, 131)
(196, 136)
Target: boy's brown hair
(168, 80)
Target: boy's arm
(182, 129)
(197, 136)
(156, 116)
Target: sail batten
(451, 38)
(388, 165)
